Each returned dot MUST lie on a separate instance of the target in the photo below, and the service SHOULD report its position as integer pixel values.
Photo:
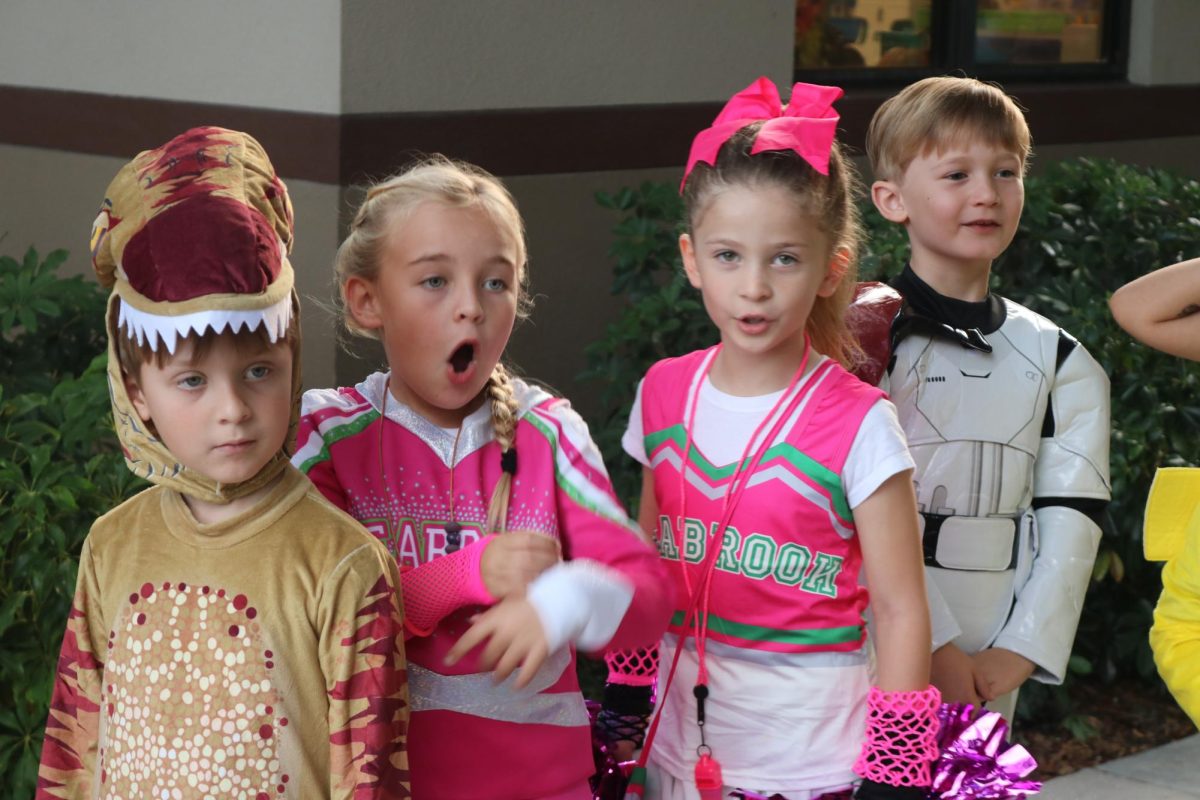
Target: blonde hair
(932, 114)
(829, 198)
(455, 184)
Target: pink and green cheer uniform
(786, 656)
(472, 738)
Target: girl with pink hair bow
(779, 486)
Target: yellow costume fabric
(1172, 534)
(255, 657)
(261, 656)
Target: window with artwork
(904, 39)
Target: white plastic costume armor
(1010, 445)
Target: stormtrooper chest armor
(974, 425)
(974, 419)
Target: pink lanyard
(741, 476)
(698, 597)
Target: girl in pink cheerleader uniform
(476, 481)
(779, 487)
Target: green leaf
(1080, 727)
(44, 306)
(54, 260)
(8, 609)
(1079, 665)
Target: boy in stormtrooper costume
(1006, 414)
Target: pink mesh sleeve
(632, 667)
(901, 738)
(442, 586)
(628, 694)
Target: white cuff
(580, 602)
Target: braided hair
(504, 426)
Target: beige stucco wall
(430, 55)
(282, 54)
(317, 235)
(397, 55)
(1162, 42)
(49, 200)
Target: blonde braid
(504, 425)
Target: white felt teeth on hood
(155, 328)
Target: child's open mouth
(752, 324)
(462, 362)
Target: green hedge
(1089, 226)
(60, 468)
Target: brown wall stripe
(335, 149)
(301, 145)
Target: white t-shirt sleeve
(879, 451)
(633, 440)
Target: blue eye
(190, 382)
(258, 372)
(434, 282)
(495, 284)
(786, 260)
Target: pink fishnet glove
(442, 586)
(628, 695)
(901, 740)
(632, 667)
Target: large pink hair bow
(807, 125)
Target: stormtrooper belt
(981, 544)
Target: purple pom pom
(977, 761)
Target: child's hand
(953, 672)
(515, 638)
(999, 671)
(513, 559)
